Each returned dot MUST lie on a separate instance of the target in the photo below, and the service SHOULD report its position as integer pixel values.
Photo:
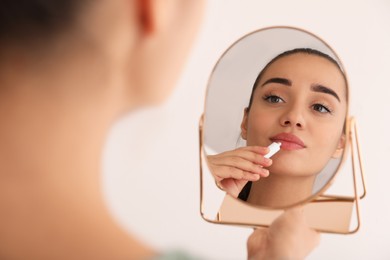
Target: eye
(273, 99)
(322, 108)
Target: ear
(340, 147)
(244, 124)
(157, 15)
(164, 32)
(146, 16)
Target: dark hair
(287, 53)
(25, 20)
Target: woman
(68, 70)
(300, 100)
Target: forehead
(305, 69)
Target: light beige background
(150, 168)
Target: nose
(293, 117)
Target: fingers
(245, 163)
(254, 154)
(315, 238)
(257, 149)
(224, 172)
(238, 165)
(243, 175)
(232, 186)
(257, 244)
(291, 236)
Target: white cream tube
(273, 148)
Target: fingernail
(263, 150)
(268, 161)
(266, 172)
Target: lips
(289, 141)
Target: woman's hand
(288, 237)
(233, 169)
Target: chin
(291, 167)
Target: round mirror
(276, 85)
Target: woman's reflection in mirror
(299, 99)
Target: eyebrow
(283, 81)
(315, 87)
(323, 89)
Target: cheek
(325, 140)
(260, 127)
(327, 136)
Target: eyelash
(268, 98)
(328, 110)
(316, 107)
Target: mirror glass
(283, 85)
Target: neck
(53, 127)
(280, 191)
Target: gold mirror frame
(319, 208)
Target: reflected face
(300, 101)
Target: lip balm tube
(273, 148)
